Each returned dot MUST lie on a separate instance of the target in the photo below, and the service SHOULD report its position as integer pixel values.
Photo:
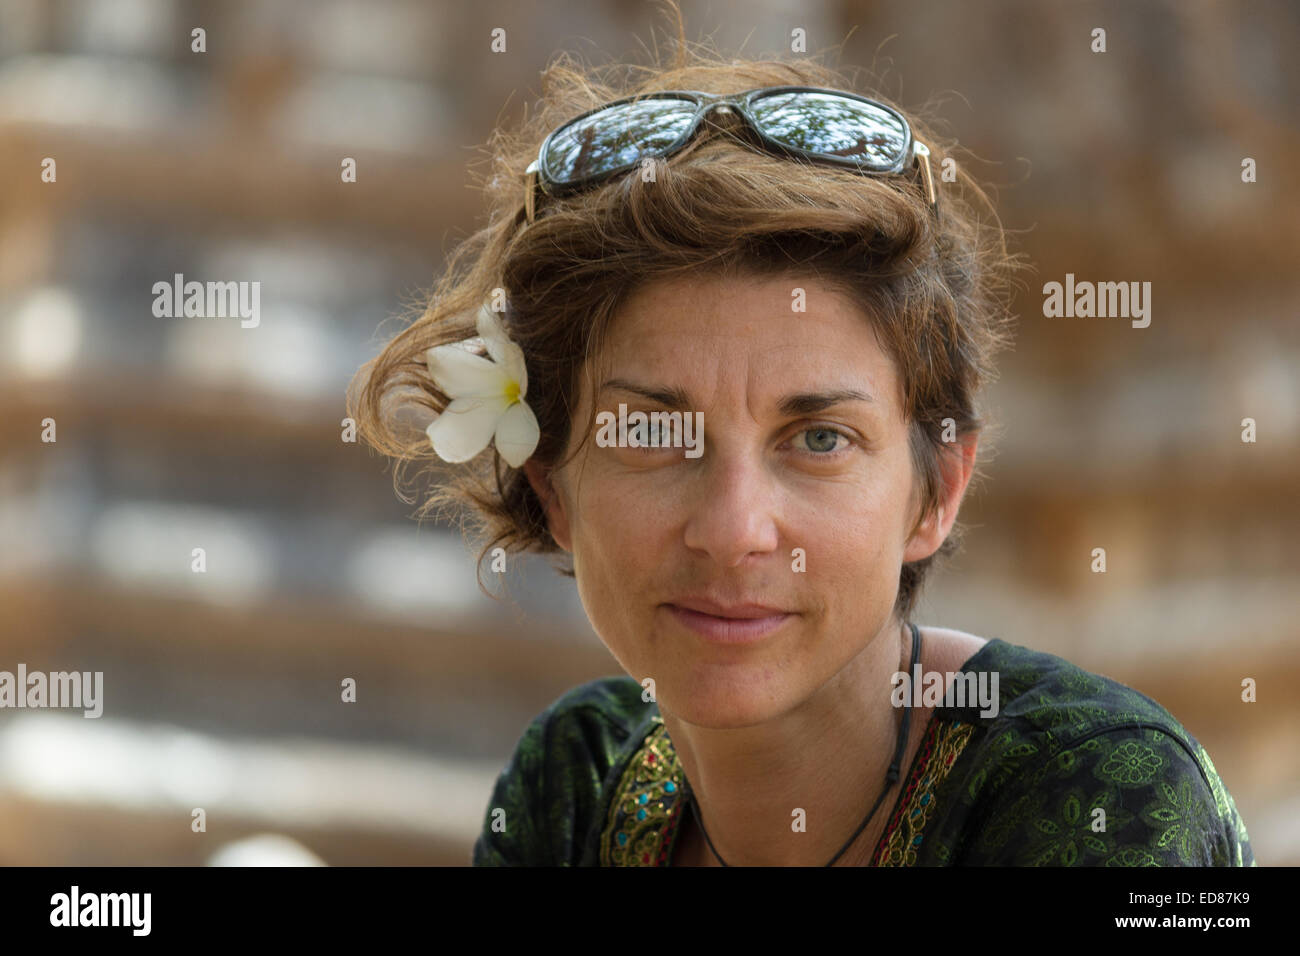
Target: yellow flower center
(512, 392)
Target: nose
(732, 507)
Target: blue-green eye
(650, 436)
(823, 440)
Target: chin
(729, 700)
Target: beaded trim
(646, 805)
(943, 744)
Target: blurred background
(222, 688)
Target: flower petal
(504, 352)
(465, 427)
(512, 360)
(492, 332)
(517, 434)
(462, 374)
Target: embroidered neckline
(648, 800)
(647, 804)
(944, 741)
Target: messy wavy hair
(934, 291)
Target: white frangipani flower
(487, 398)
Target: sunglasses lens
(615, 137)
(833, 125)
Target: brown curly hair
(935, 291)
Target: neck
(827, 757)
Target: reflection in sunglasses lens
(616, 137)
(833, 126)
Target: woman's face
(801, 501)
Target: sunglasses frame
(914, 153)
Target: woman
(725, 350)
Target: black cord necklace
(890, 778)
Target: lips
(744, 612)
(728, 623)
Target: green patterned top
(1074, 770)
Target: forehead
(768, 333)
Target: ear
(557, 516)
(957, 466)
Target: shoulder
(1078, 769)
(1045, 693)
(614, 700)
(550, 788)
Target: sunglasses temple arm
(530, 192)
(923, 160)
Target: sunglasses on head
(799, 122)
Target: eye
(651, 436)
(655, 434)
(822, 441)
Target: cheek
(867, 512)
(621, 517)
(857, 542)
(618, 544)
(608, 526)
(854, 551)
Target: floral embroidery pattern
(1073, 831)
(1132, 856)
(646, 805)
(1177, 817)
(1130, 764)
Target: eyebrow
(803, 403)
